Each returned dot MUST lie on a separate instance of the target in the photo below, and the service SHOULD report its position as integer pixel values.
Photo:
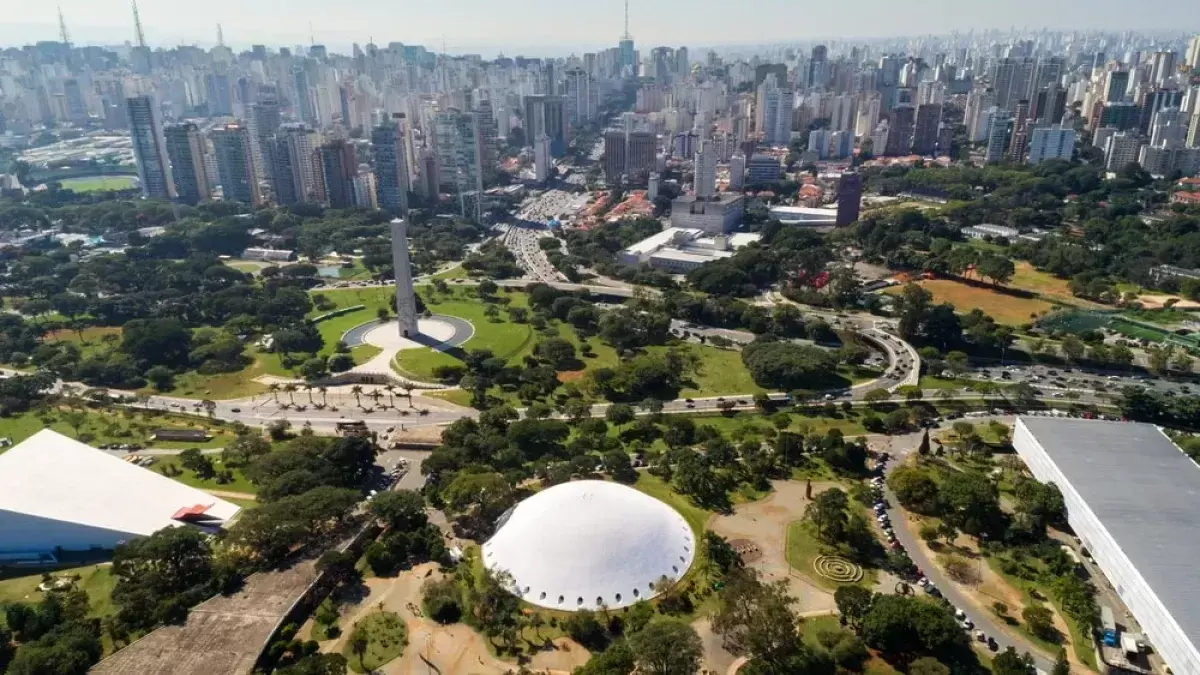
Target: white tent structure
(587, 544)
(56, 492)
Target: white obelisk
(406, 299)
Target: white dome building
(588, 543)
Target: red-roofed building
(1186, 198)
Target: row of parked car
(916, 575)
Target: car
(992, 644)
(235, 410)
(967, 624)
(688, 400)
(689, 405)
(981, 636)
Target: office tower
(1192, 58)
(817, 66)
(187, 150)
(1115, 85)
(557, 125)
(427, 175)
(1049, 105)
(777, 107)
(149, 147)
(264, 122)
(406, 298)
(1123, 147)
(541, 158)
(868, 115)
(219, 93)
(614, 156)
(1123, 115)
(1047, 143)
(1020, 132)
(292, 174)
(235, 164)
(975, 116)
(306, 109)
(489, 137)
(998, 124)
(737, 172)
(642, 148)
(1152, 101)
(363, 191)
(460, 159)
(1162, 68)
(901, 121)
(844, 113)
(925, 133)
(549, 78)
(1049, 73)
(762, 71)
(389, 142)
(706, 170)
(1193, 139)
(1170, 128)
(1165, 160)
(580, 108)
(849, 197)
(339, 166)
(1012, 80)
(535, 118)
(762, 169)
(77, 109)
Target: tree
(316, 664)
(756, 620)
(828, 513)
(160, 576)
(901, 625)
(557, 352)
(1009, 662)
(402, 510)
(1061, 665)
(619, 413)
(152, 342)
(853, 603)
(1073, 347)
(667, 647)
(787, 365)
(927, 666)
(876, 396)
(1040, 621)
(359, 642)
(616, 464)
(161, 378)
(618, 659)
(586, 629)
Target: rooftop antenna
(220, 36)
(62, 28)
(311, 40)
(626, 36)
(137, 26)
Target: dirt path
(765, 523)
(233, 495)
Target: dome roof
(588, 543)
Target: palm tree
(391, 390)
(273, 388)
(375, 396)
(357, 390)
(324, 391)
(291, 390)
(309, 386)
(408, 390)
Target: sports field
(99, 183)
(1005, 309)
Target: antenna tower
(626, 36)
(137, 26)
(62, 28)
(220, 36)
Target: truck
(1108, 626)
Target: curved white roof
(588, 543)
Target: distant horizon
(553, 28)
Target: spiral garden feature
(836, 568)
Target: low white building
(680, 250)
(59, 494)
(268, 254)
(989, 230)
(804, 215)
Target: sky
(561, 27)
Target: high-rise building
(1153, 100)
(777, 106)
(339, 166)
(187, 148)
(541, 158)
(389, 142)
(149, 147)
(1162, 68)
(849, 197)
(76, 103)
(406, 299)
(1012, 79)
(1193, 54)
(818, 73)
(979, 102)
(580, 106)
(219, 91)
(1162, 160)
(642, 148)
(1049, 105)
(235, 164)
(1122, 115)
(706, 170)
(901, 122)
(998, 130)
(264, 122)
(306, 108)
(1047, 143)
(614, 156)
(556, 124)
(1170, 128)
(737, 172)
(1123, 148)
(460, 159)
(292, 174)
(1115, 85)
(489, 138)
(925, 133)
(534, 123)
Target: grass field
(386, 638)
(1005, 309)
(110, 426)
(239, 483)
(225, 385)
(99, 183)
(802, 548)
(96, 580)
(90, 339)
(721, 372)
(654, 486)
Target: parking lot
(1056, 381)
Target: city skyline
(548, 28)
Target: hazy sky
(558, 26)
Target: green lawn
(386, 638)
(803, 547)
(654, 486)
(100, 426)
(227, 385)
(721, 372)
(99, 183)
(932, 382)
(90, 339)
(239, 483)
(97, 580)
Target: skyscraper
(557, 126)
(77, 109)
(264, 122)
(925, 134)
(706, 170)
(187, 149)
(339, 166)
(149, 147)
(777, 107)
(293, 177)
(541, 158)
(389, 141)
(999, 122)
(406, 299)
(901, 122)
(817, 72)
(849, 197)
(1048, 143)
(1049, 105)
(1115, 85)
(305, 108)
(220, 94)
(235, 164)
(460, 159)
(737, 172)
